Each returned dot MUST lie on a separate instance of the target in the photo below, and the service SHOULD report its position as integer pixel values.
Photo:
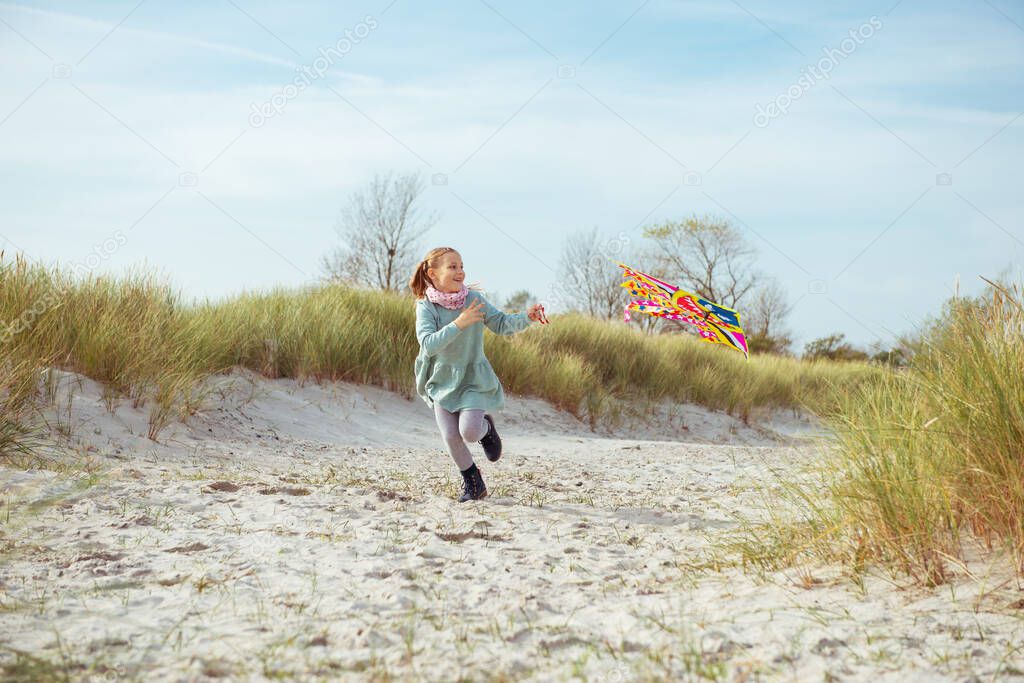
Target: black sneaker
(473, 485)
(491, 441)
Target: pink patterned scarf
(452, 300)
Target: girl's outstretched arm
(431, 338)
(499, 322)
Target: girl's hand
(470, 315)
(536, 314)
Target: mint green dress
(451, 369)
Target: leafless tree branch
(380, 229)
(586, 269)
(707, 255)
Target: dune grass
(138, 338)
(927, 461)
(605, 362)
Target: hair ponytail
(419, 281)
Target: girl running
(452, 374)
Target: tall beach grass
(929, 463)
(137, 337)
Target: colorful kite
(715, 324)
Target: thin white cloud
(102, 27)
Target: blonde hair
(419, 281)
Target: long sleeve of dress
(499, 322)
(431, 338)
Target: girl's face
(448, 275)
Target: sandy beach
(304, 532)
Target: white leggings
(459, 428)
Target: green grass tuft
(926, 460)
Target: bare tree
(588, 271)
(765, 317)
(380, 228)
(707, 255)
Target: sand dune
(311, 531)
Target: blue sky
(545, 119)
